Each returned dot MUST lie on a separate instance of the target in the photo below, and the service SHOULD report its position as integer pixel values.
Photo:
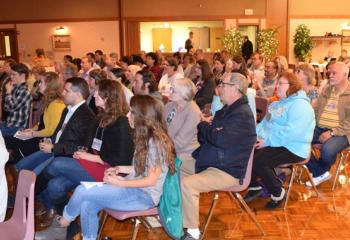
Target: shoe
(47, 218)
(253, 193)
(40, 209)
(188, 236)
(276, 201)
(320, 179)
(54, 232)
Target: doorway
(8, 44)
(251, 31)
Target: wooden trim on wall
(188, 18)
(60, 20)
(288, 30)
(317, 16)
(121, 28)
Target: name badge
(96, 144)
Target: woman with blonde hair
(26, 142)
(306, 75)
(182, 116)
(141, 189)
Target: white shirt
(4, 156)
(71, 110)
(165, 83)
(128, 94)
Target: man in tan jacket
(332, 122)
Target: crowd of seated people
(123, 122)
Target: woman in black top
(205, 84)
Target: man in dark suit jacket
(74, 129)
(225, 146)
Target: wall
(188, 8)
(85, 37)
(318, 27)
(180, 32)
(319, 8)
(34, 10)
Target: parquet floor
(307, 217)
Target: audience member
(140, 190)
(257, 70)
(99, 59)
(170, 74)
(182, 116)
(145, 84)
(95, 76)
(118, 75)
(225, 147)
(17, 101)
(112, 146)
(306, 75)
(153, 65)
(332, 122)
(86, 67)
(205, 84)
(284, 136)
(267, 87)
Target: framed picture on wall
(61, 42)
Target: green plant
(268, 43)
(302, 43)
(233, 41)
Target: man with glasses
(226, 142)
(17, 101)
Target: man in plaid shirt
(17, 101)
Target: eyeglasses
(224, 83)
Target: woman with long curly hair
(141, 189)
(112, 146)
(50, 86)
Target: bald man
(332, 122)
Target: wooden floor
(307, 217)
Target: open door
(8, 44)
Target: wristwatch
(332, 133)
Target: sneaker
(253, 193)
(320, 179)
(188, 236)
(276, 201)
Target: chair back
(261, 105)
(23, 214)
(247, 176)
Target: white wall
(85, 37)
(318, 27)
(180, 32)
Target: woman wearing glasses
(284, 136)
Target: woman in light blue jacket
(284, 136)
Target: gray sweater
(182, 128)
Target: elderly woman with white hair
(182, 116)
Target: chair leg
(338, 170)
(311, 179)
(145, 223)
(289, 186)
(136, 229)
(210, 213)
(235, 201)
(103, 217)
(250, 213)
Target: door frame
(15, 42)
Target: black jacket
(117, 143)
(78, 131)
(226, 144)
(205, 93)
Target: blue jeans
(67, 174)
(88, 202)
(7, 131)
(35, 162)
(329, 151)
